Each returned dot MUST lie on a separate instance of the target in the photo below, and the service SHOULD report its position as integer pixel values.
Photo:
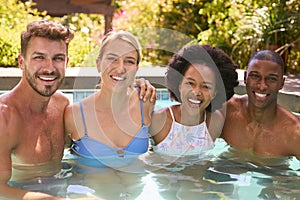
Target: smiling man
(31, 114)
(255, 122)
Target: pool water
(225, 173)
(220, 175)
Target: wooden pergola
(62, 7)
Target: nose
(120, 65)
(49, 65)
(262, 84)
(197, 91)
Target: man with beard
(31, 114)
(255, 122)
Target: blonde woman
(110, 127)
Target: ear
(179, 87)
(67, 61)
(245, 76)
(214, 94)
(21, 61)
(98, 62)
(282, 83)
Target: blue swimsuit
(95, 153)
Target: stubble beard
(48, 90)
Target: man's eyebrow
(274, 75)
(41, 53)
(60, 54)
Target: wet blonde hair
(124, 36)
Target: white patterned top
(185, 140)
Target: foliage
(140, 18)
(239, 27)
(88, 31)
(190, 23)
(183, 17)
(12, 24)
(221, 18)
(162, 26)
(273, 25)
(87, 28)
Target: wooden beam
(82, 2)
(63, 7)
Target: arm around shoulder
(69, 121)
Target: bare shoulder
(237, 100)
(158, 119)
(296, 137)
(284, 113)
(8, 113)
(4, 116)
(160, 113)
(288, 120)
(289, 126)
(9, 118)
(236, 103)
(8, 98)
(60, 98)
(71, 111)
(215, 123)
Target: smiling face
(118, 64)
(197, 88)
(44, 64)
(263, 81)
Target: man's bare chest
(40, 141)
(264, 140)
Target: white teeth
(194, 101)
(47, 78)
(260, 95)
(118, 78)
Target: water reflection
(224, 173)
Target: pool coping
(88, 78)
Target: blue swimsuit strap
(142, 110)
(83, 118)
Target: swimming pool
(221, 175)
(226, 173)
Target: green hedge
(87, 28)
(238, 27)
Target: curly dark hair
(222, 65)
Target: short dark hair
(216, 59)
(269, 55)
(46, 29)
